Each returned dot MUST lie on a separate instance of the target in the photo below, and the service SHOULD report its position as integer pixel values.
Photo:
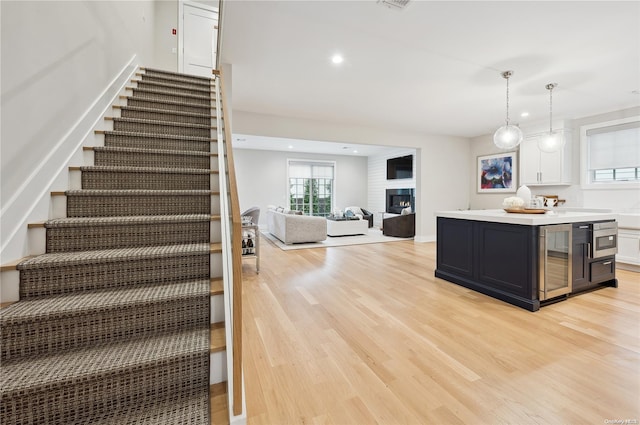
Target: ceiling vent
(395, 4)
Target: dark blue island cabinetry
(495, 259)
(524, 259)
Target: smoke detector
(394, 4)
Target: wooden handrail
(236, 249)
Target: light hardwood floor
(366, 334)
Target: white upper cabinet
(542, 168)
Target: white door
(199, 39)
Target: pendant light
(508, 136)
(553, 140)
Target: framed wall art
(497, 173)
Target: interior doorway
(197, 38)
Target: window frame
(586, 181)
(312, 162)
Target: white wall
(574, 194)
(442, 174)
(58, 58)
(262, 178)
(166, 19)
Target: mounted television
(400, 168)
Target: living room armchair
(401, 226)
(364, 214)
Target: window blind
(309, 170)
(614, 147)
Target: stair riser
(137, 127)
(161, 105)
(167, 117)
(167, 97)
(104, 206)
(63, 279)
(58, 334)
(108, 180)
(142, 142)
(73, 239)
(65, 403)
(170, 88)
(135, 159)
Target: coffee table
(342, 227)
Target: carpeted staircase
(113, 322)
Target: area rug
(373, 236)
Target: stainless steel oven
(604, 239)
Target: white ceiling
(435, 66)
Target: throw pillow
(406, 211)
(355, 210)
(280, 209)
(349, 213)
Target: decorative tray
(525, 210)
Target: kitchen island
(499, 254)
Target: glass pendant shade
(507, 137)
(551, 142)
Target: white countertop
(550, 217)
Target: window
(612, 153)
(311, 187)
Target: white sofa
(292, 228)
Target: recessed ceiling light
(290, 146)
(355, 151)
(524, 114)
(337, 59)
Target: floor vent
(395, 4)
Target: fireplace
(399, 199)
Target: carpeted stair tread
(164, 92)
(205, 90)
(46, 308)
(164, 170)
(163, 123)
(112, 255)
(91, 362)
(154, 111)
(151, 151)
(100, 233)
(126, 220)
(136, 192)
(174, 104)
(184, 411)
(158, 136)
(190, 77)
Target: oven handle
(588, 249)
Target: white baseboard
(31, 202)
(423, 239)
